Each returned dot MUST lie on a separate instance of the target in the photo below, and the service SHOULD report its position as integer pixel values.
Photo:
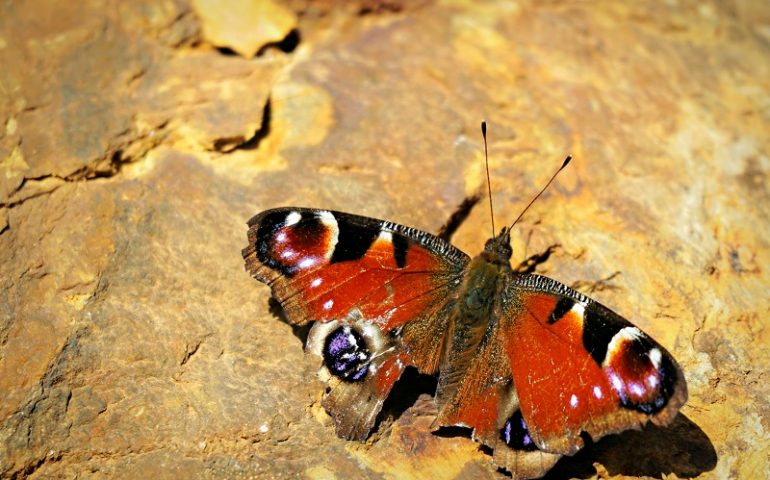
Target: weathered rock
(133, 344)
(244, 26)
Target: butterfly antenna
(566, 162)
(489, 183)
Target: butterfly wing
(577, 366)
(550, 364)
(380, 294)
(476, 389)
(481, 396)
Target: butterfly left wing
(379, 293)
(577, 366)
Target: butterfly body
(524, 361)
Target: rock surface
(135, 143)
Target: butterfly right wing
(380, 294)
(550, 365)
(580, 367)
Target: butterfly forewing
(322, 264)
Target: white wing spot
(579, 309)
(626, 334)
(617, 383)
(598, 392)
(655, 357)
(328, 220)
(573, 401)
(292, 218)
(385, 236)
(307, 263)
(631, 333)
(636, 389)
(328, 304)
(315, 282)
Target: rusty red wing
(577, 366)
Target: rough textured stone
(133, 344)
(244, 26)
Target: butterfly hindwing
(379, 293)
(579, 367)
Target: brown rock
(244, 26)
(133, 344)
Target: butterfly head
(498, 249)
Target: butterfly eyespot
(640, 374)
(346, 355)
(515, 433)
(290, 242)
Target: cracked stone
(132, 342)
(104, 95)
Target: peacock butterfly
(526, 362)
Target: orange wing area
(563, 388)
(373, 284)
(479, 396)
(478, 410)
(324, 265)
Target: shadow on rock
(299, 331)
(682, 449)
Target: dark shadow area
(452, 432)
(299, 331)
(226, 51)
(682, 449)
(404, 395)
(530, 264)
(264, 128)
(378, 7)
(596, 286)
(288, 44)
(458, 217)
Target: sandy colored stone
(107, 90)
(244, 26)
(134, 345)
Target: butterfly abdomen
(471, 328)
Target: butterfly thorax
(485, 276)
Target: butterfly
(527, 363)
